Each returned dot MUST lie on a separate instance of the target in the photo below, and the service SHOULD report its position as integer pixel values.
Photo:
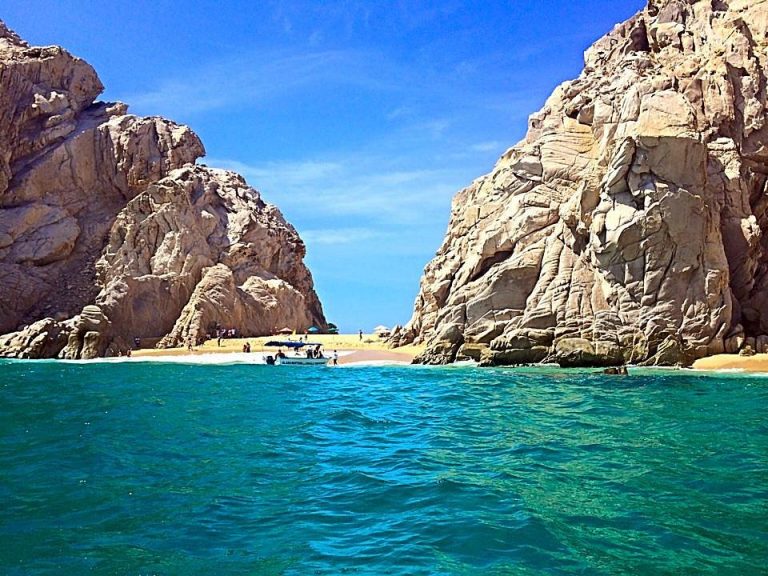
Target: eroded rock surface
(108, 231)
(630, 223)
(205, 244)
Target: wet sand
(374, 356)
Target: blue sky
(359, 120)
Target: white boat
(300, 361)
(297, 357)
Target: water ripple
(169, 469)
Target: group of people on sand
(225, 333)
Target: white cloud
(400, 112)
(335, 236)
(492, 146)
(256, 79)
(260, 78)
(291, 174)
(353, 187)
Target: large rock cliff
(108, 231)
(630, 223)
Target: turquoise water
(152, 468)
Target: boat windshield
(290, 343)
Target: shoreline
(720, 364)
(350, 348)
(370, 349)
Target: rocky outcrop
(630, 223)
(204, 244)
(108, 231)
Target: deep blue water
(151, 468)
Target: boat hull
(299, 361)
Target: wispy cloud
(371, 188)
(290, 174)
(492, 146)
(400, 112)
(336, 236)
(256, 79)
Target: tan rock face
(630, 224)
(203, 244)
(104, 216)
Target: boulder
(671, 352)
(446, 347)
(470, 351)
(89, 334)
(514, 356)
(570, 352)
(42, 339)
(747, 351)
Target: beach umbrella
(285, 331)
(313, 330)
(381, 329)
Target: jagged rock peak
(109, 232)
(8, 36)
(630, 223)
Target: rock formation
(108, 231)
(630, 223)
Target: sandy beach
(371, 349)
(756, 363)
(350, 347)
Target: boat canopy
(291, 343)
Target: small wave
(721, 370)
(203, 359)
(349, 415)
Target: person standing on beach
(335, 358)
(361, 335)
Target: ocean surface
(143, 468)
